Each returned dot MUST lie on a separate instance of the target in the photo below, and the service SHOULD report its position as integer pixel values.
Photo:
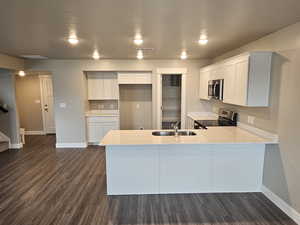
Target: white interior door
(47, 104)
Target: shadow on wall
(274, 177)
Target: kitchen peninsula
(220, 159)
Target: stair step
(4, 145)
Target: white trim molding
(71, 145)
(34, 132)
(171, 70)
(289, 210)
(259, 132)
(16, 146)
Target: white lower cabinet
(98, 127)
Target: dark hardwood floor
(48, 186)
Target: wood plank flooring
(47, 186)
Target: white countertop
(213, 135)
(203, 115)
(96, 113)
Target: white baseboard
(34, 132)
(16, 146)
(259, 132)
(71, 145)
(290, 211)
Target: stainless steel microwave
(215, 89)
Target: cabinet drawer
(131, 78)
(101, 119)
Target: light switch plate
(62, 105)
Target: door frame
(43, 100)
(168, 71)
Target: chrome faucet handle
(176, 126)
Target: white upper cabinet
(204, 78)
(246, 79)
(236, 82)
(102, 87)
(134, 78)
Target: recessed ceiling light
(203, 41)
(73, 40)
(22, 73)
(138, 40)
(183, 55)
(140, 54)
(96, 55)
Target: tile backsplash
(103, 105)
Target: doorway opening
(171, 101)
(171, 98)
(34, 94)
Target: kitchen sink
(172, 133)
(186, 133)
(163, 133)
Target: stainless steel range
(226, 118)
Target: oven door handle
(215, 87)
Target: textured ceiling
(42, 26)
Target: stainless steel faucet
(176, 127)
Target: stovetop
(218, 122)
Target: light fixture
(140, 54)
(33, 57)
(183, 55)
(138, 40)
(96, 55)
(203, 40)
(22, 73)
(73, 40)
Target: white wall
(69, 85)
(9, 122)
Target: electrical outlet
(251, 119)
(137, 106)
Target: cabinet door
(229, 84)
(94, 88)
(110, 87)
(114, 89)
(94, 132)
(241, 84)
(203, 87)
(106, 127)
